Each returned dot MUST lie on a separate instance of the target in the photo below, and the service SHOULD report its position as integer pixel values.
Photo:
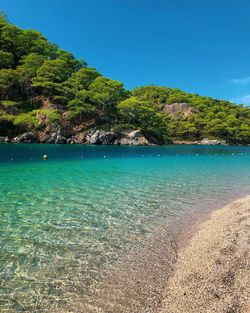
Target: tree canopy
(41, 84)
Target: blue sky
(199, 46)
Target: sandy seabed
(212, 272)
(207, 271)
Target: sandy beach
(212, 272)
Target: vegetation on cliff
(42, 85)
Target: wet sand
(212, 272)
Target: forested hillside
(55, 98)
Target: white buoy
(104, 156)
(45, 157)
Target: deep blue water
(62, 220)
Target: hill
(46, 95)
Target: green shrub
(7, 117)
(51, 116)
(8, 103)
(25, 119)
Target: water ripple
(65, 221)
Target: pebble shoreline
(212, 272)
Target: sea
(95, 228)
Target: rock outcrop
(53, 138)
(107, 138)
(28, 137)
(100, 137)
(205, 141)
(133, 138)
(213, 142)
(179, 110)
(93, 136)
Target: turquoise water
(62, 221)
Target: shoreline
(142, 280)
(212, 271)
(100, 137)
(129, 145)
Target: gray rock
(213, 142)
(4, 139)
(60, 139)
(45, 138)
(28, 137)
(71, 141)
(130, 142)
(134, 138)
(107, 138)
(100, 137)
(50, 138)
(93, 137)
(53, 138)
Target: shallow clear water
(65, 219)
